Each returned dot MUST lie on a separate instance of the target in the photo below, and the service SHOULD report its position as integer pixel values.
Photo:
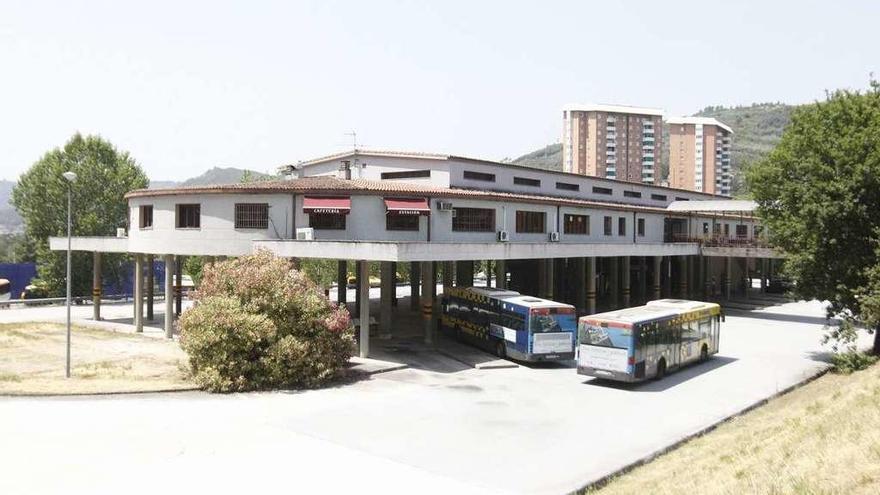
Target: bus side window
(705, 328)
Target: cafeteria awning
(326, 204)
(407, 206)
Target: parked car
(780, 285)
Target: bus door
(672, 341)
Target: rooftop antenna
(354, 139)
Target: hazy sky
(185, 86)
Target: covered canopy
(407, 206)
(327, 204)
(713, 206)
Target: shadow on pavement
(671, 380)
(812, 320)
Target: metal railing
(719, 241)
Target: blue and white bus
(634, 344)
(510, 324)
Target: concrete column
(464, 273)
(541, 268)
(667, 276)
(550, 273)
(139, 292)
(386, 297)
(658, 272)
(169, 300)
(428, 288)
(415, 281)
(625, 273)
(394, 284)
(151, 295)
(683, 276)
(448, 274)
(364, 311)
(707, 278)
(590, 276)
(97, 285)
(580, 284)
(643, 273)
(747, 280)
(728, 262)
(178, 290)
(342, 281)
(357, 288)
(614, 282)
(500, 274)
(763, 275)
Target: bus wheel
(661, 369)
(704, 353)
(501, 349)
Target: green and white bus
(635, 344)
(510, 324)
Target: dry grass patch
(32, 359)
(819, 439)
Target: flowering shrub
(259, 324)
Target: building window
(479, 176)
(408, 174)
(576, 224)
(565, 186)
(525, 181)
(705, 227)
(146, 216)
(742, 231)
(189, 216)
(716, 228)
(658, 197)
(327, 221)
(726, 230)
(252, 215)
(640, 227)
(608, 225)
(681, 199)
(402, 222)
(601, 190)
(621, 226)
(473, 220)
(632, 194)
(530, 222)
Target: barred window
(401, 222)
(327, 221)
(146, 216)
(658, 197)
(407, 174)
(607, 225)
(470, 175)
(189, 216)
(621, 226)
(473, 220)
(566, 186)
(251, 215)
(742, 231)
(640, 227)
(602, 190)
(576, 224)
(525, 181)
(632, 194)
(530, 222)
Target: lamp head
(70, 176)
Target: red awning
(407, 206)
(323, 204)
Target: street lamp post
(71, 177)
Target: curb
(102, 394)
(606, 479)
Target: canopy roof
(713, 206)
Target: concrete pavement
(531, 429)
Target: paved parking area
(530, 429)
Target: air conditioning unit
(503, 236)
(444, 206)
(306, 234)
(120, 232)
(554, 236)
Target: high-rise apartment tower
(699, 155)
(612, 141)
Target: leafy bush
(852, 360)
(259, 324)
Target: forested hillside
(757, 128)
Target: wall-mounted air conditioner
(554, 236)
(120, 232)
(305, 234)
(503, 236)
(444, 206)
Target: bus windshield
(547, 320)
(604, 336)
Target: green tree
(104, 175)
(819, 194)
